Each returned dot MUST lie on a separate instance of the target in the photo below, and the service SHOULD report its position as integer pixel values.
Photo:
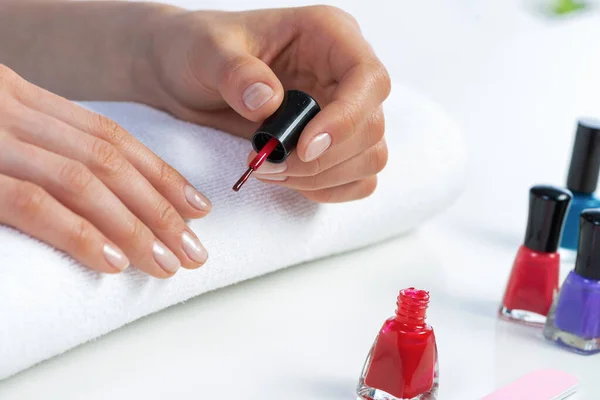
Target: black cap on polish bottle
(585, 160)
(286, 124)
(547, 208)
(587, 263)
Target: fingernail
(271, 168)
(165, 258)
(270, 177)
(317, 146)
(115, 257)
(193, 248)
(197, 199)
(256, 95)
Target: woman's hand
(79, 182)
(229, 71)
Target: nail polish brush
(278, 135)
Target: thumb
(248, 85)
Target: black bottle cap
(585, 160)
(286, 124)
(547, 208)
(587, 264)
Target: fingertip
(114, 257)
(193, 265)
(260, 100)
(250, 87)
(199, 203)
(317, 137)
(194, 250)
(163, 275)
(257, 95)
(317, 145)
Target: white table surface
(515, 82)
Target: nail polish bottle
(574, 319)
(582, 179)
(534, 279)
(402, 363)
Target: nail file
(544, 384)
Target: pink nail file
(544, 384)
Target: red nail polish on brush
(534, 279)
(402, 363)
(278, 135)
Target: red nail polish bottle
(402, 363)
(534, 278)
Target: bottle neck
(412, 307)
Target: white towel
(49, 303)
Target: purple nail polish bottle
(574, 319)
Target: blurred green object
(562, 7)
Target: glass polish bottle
(402, 363)
(574, 319)
(534, 278)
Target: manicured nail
(271, 168)
(115, 257)
(256, 95)
(317, 146)
(165, 258)
(270, 177)
(197, 199)
(193, 248)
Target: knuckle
(221, 36)
(28, 199)
(383, 80)
(331, 18)
(378, 157)
(166, 215)
(12, 83)
(135, 231)
(109, 130)
(376, 78)
(349, 18)
(348, 112)
(7, 76)
(80, 235)
(324, 10)
(75, 176)
(376, 128)
(166, 174)
(107, 157)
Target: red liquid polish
(534, 278)
(260, 158)
(402, 363)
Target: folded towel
(49, 303)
